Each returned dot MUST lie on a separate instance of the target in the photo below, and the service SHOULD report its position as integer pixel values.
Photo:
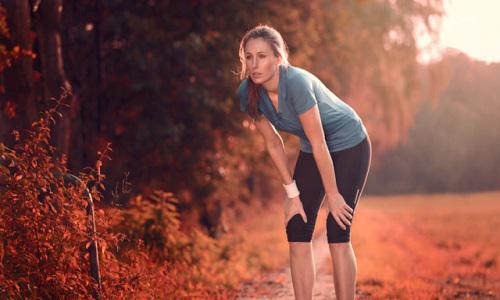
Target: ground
(441, 246)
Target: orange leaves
(88, 244)
(17, 51)
(103, 247)
(190, 264)
(8, 56)
(73, 262)
(42, 220)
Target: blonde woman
(334, 158)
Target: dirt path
(432, 248)
(278, 285)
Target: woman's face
(260, 60)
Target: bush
(181, 263)
(44, 235)
(42, 222)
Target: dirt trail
(407, 252)
(278, 285)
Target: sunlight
(472, 27)
(469, 26)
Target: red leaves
(34, 162)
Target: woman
(334, 159)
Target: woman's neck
(271, 85)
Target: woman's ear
(279, 62)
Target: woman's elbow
(274, 141)
(277, 144)
(318, 146)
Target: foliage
(143, 250)
(43, 223)
(8, 55)
(187, 262)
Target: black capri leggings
(351, 170)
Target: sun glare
(469, 26)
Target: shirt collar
(281, 93)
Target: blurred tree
(453, 145)
(368, 57)
(18, 100)
(156, 78)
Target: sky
(473, 27)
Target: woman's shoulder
(299, 76)
(298, 79)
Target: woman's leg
(351, 170)
(299, 234)
(302, 269)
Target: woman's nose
(254, 63)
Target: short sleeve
(302, 93)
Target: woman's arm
(275, 148)
(311, 122)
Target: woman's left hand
(341, 212)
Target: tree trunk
(18, 79)
(48, 19)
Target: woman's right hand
(294, 206)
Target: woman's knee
(335, 234)
(301, 249)
(298, 231)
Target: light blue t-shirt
(298, 91)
